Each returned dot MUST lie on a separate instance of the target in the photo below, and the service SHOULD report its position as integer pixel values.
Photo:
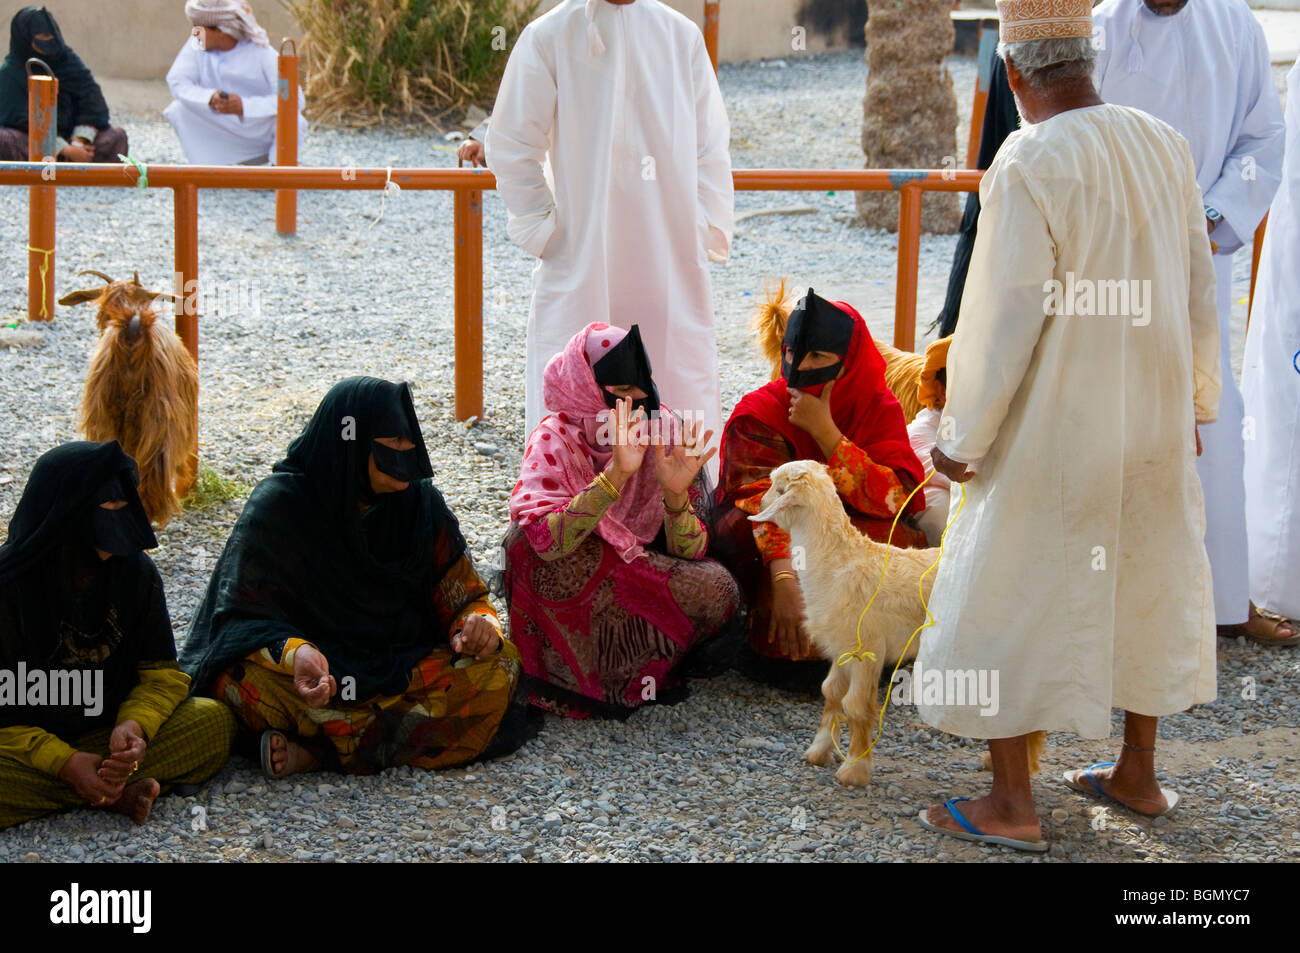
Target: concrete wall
(138, 39)
(133, 39)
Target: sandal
(1277, 620)
(1076, 778)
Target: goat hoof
(854, 775)
(819, 755)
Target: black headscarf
(1001, 119)
(61, 606)
(81, 102)
(303, 562)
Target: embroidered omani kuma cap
(1024, 20)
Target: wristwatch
(1213, 216)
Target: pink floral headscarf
(564, 453)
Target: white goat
(841, 570)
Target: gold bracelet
(784, 573)
(672, 512)
(606, 484)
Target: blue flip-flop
(1075, 780)
(972, 833)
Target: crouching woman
(832, 404)
(94, 712)
(606, 574)
(344, 622)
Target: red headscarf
(862, 406)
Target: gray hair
(1048, 62)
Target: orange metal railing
(468, 185)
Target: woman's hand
(126, 746)
(477, 637)
(311, 676)
(626, 436)
(78, 150)
(81, 773)
(676, 469)
(812, 415)
(786, 625)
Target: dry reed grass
(367, 62)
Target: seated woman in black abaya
(344, 622)
(81, 605)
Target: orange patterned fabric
(867, 487)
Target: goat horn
(97, 274)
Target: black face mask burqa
(123, 531)
(627, 364)
(404, 465)
(814, 325)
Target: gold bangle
(606, 484)
(672, 512)
(784, 573)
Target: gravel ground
(716, 777)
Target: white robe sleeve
(1202, 305)
(260, 107)
(1002, 314)
(713, 135)
(517, 141)
(1252, 169)
(183, 77)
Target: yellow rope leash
(859, 654)
(45, 267)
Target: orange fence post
(1255, 252)
(42, 130)
(711, 8)
(469, 303)
(185, 206)
(286, 136)
(909, 262)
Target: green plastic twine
(130, 161)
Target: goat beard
(144, 394)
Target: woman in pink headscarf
(605, 570)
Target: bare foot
(1140, 794)
(137, 800)
(989, 817)
(288, 757)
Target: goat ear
(80, 297)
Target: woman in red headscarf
(605, 571)
(832, 405)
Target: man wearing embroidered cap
(1076, 571)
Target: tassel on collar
(595, 45)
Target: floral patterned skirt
(598, 635)
(447, 715)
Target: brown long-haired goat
(142, 390)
